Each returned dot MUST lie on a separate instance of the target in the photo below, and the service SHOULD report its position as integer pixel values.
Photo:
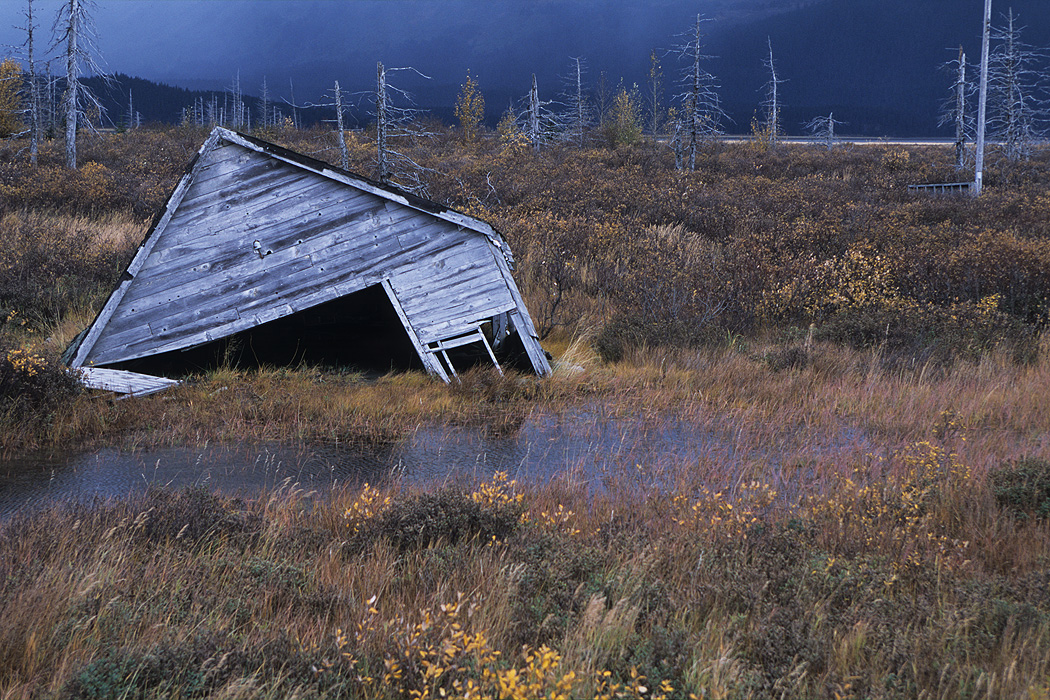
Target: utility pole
(982, 107)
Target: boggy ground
(788, 293)
(922, 583)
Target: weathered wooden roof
(254, 232)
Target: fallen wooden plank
(123, 382)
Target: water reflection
(592, 448)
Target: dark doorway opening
(359, 332)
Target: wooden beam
(429, 361)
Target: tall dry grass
(896, 588)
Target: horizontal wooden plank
(274, 185)
(122, 381)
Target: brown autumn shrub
(51, 263)
(752, 240)
(32, 382)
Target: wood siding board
(203, 207)
(223, 159)
(193, 229)
(472, 280)
(429, 209)
(239, 190)
(462, 272)
(237, 255)
(210, 296)
(145, 248)
(431, 311)
(233, 159)
(303, 223)
(391, 256)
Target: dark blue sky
(872, 56)
(317, 41)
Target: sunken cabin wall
(255, 239)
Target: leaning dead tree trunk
(580, 106)
(824, 129)
(982, 103)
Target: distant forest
(166, 104)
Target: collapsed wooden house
(266, 254)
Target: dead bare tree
(75, 29)
(339, 105)
(132, 119)
(955, 110)
(533, 130)
(1015, 69)
(234, 111)
(539, 124)
(982, 101)
(34, 86)
(577, 117)
(701, 113)
(398, 123)
(604, 94)
(264, 118)
(771, 103)
(295, 110)
(823, 128)
(344, 154)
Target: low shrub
(625, 333)
(52, 263)
(446, 516)
(1023, 488)
(32, 382)
(914, 334)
